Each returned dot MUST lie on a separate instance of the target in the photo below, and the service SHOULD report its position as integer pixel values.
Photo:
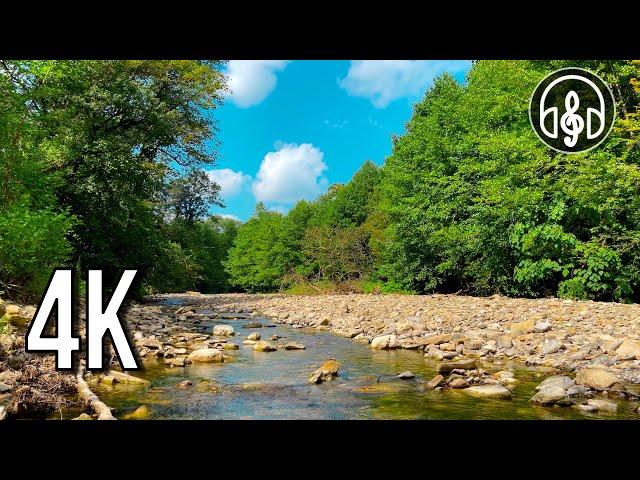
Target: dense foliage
(471, 201)
(101, 166)
(89, 155)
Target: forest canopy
(103, 165)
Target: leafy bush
(32, 243)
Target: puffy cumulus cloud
(383, 81)
(291, 173)
(227, 215)
(231, 182)
(251, 81)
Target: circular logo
(572, 110)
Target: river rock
(150, 343)
(114, 377)
(585, 408)
(549, 346)
(542, 327)
(561, 381)
(629, 349)
(522, 328)
(489, 391)
(264, 346)
(83, 416)
(6, 342)
(206, 355)
(223, 331)
(603, 405)
(255, 336)
(184, 384)
(176, 362)
(252, 325)
(437, 339)
(406, 375)
(140, 413)
(504, 341)
(458, 383)
(294, 346)
(435, 382)
(230, 346)
(384, 342)
(597, 377)
(327, 371)
(447, 367)
(549, 395)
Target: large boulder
(597, 377)
(385, 342)
(224, 331)
(113, 377)
(489, 391)
(140, 413)
(206, 355)
(327, 371)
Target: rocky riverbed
(586, 355)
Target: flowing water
(273, 385)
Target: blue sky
(290, 129)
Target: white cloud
(383, 81)
(227, 215)
(291, 173)
(251, 81)
(231, 182)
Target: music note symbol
(571, 123)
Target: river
(274, 385)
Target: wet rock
(184, 384)
(549, 395)
(561, 381)
(114, 377)
(458, 383)
(230, 346)
(176, 362)
(294, 346)
(206, 355)
(489, 391)
(264, 346)
(603, 405)
(252, 325)
(83, 416)
(223, 331)
(406, 375)
(435, 382)
(577, 390)
(327, 371)
(253, 336)
(140, 413)
(585, 408)
(598, 378)
(629, 349)
(447, 367)
(384, 342)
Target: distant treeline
(470, 201)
